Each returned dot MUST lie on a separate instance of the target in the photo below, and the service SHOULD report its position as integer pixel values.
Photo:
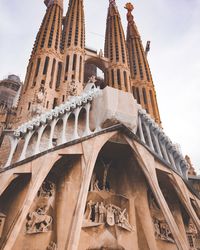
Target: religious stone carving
(38, 221)
(106, 185)
(52, 246)
(98, 213)
(192, 233)
(72, 88)
(40, 95)
(47, 189)
(2, 222)
(162, 231)
(95, 182)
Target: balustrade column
(157, 145)
(87, 124)
(149, 137)
(27, 139)
(75, 134)
(65, 119)
(40, 132)
(164, 152)
(13, 142)
(53, 124)
(140, 129)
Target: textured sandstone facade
(91, 168)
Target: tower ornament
(130, 8)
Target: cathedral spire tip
(129, 6)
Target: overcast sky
(171, 25)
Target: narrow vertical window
(113, 78)
(29, 75)
(118, 78)
(74, 62)
(29, 105)
(138, 95)
(80, 69)
(59, 74)
(125, 80)
(46, 64)
(67, 64)
(144, 95)
(52, 73)
(152, 102)
(55, 102)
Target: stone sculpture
(52, 246)
(38, 221)
(98, 213)
(162, 230)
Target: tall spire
(141, 78)
(42, 75)
(73, 43)
(118, 75)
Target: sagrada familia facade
(84, 162)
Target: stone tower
(141, 78)
(73, 42)
(96, 171)
(43, 76)
(118, 73)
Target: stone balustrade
(75, 118)
(41, 130)
(152, 135)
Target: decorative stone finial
(112, 1)
(130, 8)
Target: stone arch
(12, 200)
(32, 144)
(82, 121)
(5, 151)
(117, 189)
(101, 65)
(70, 126)
(57, 135)
(44, 141)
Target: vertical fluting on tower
(118, 75)
(141, 78)
(43, 72)
(73, 43)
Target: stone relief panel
(192, 236)
(104, 206)
(162, 230)
(105, 213)
(40, 220)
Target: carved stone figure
(40, 95)
(47, 189)
(162, 230)
(52, 246)
(110, 218)
(98, 213)
(38, 221)
(92, 79)
(96, 185)
(96, 209)
(106, 186)
(72, 88)
(102, 213)
(89, 209)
